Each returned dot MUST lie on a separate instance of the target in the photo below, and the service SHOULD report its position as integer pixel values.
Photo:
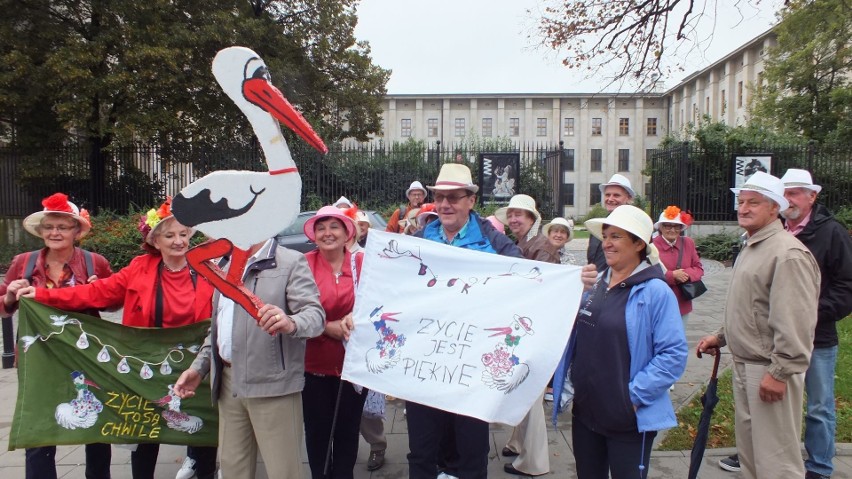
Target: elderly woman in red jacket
(58, 265)
(157, 290)
(678, 254)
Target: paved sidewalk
(705, 318)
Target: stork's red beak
(260, 92)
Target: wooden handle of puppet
(229, 284)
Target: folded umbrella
(709, 399)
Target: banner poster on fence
(83, 379)
(499, 176)
(745, 166)
(469, 332)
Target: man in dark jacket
(829, 242)
(615, 193)
(457, 225)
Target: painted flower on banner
(386, 352)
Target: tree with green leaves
(105, 74)
(807, 87)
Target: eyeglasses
(59, 228)
(439, 198)
(671, 226)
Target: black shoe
(730, 463)
(815, 475)
(509, 468)
(376, 460)
(506, 452)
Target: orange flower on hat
(57, 202)
(84, 213)
(165, 209)
(671, 212)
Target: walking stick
(333, 426)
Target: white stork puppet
(242, 208)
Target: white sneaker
(187, 469)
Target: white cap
(342, 201)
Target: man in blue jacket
(457, 225)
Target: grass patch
(581, 234)
(722, 424)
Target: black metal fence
(374, 176)
(699, 179)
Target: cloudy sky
(489, 46)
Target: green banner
(83, 379)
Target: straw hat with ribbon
(559, 221)
(329, 212)
(796, 178)
(630, 219)
(454, 176)
(58, 204)
(521, 202)
(768, 186)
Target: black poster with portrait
(499, 177)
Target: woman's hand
(589, 276)
(680, 276)
(273, 320)
(187, 383)
(28, 292)
(12, 291)
(340, 330)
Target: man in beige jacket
(770, 317)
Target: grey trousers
(373, 430)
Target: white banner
(464, 331)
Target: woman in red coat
(157, 290)
(58, 265)
(672, 245)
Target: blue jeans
(820, 420)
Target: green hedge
(716, 246)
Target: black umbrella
(709, 399)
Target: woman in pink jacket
(678, 254)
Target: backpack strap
(32, 258)
(90, 264)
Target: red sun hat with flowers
(673, 214)
(58, 203)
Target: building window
(624, 126)
(594, 194)
(568, 194)
(568, 127)
(514, 126)
(652, 127)
(597, 159)
(724, 102)
(541, 127)
(459, 126)
(568, 159)
(432, 125)
(623, 159)
(405, 128)
(597, 126)
(740, 95)
(486, 127)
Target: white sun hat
(559, 221)
(796, 178)
(619, 180)
(342, 201)
(520, 202)
(630, 219)
(768, 186)
(58, 204)
(415, 185)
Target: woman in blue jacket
(628, 347)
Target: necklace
(174, 270)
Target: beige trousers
(529, 440)
(768, 434)
(271, 425)
(373, 430)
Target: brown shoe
(376, 460)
